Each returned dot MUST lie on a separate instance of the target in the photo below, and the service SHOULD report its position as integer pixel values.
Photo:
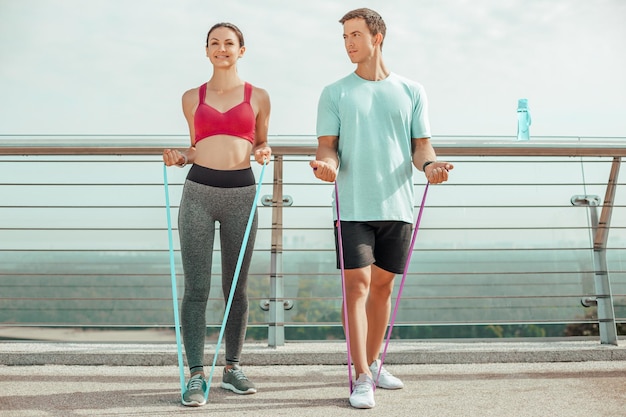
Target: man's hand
(437, 172)
(324, 171)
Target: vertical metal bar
(276, 328)
(606, 312)
(602, 234)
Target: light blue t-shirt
(375, 122)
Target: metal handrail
(306, 145)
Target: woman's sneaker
(363, 393)
(385, 380)
(235, 380)
(197, 392)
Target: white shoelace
(361, 387)
(384, 372)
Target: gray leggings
(201, 206)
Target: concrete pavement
(552, 379)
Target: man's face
(358, 40)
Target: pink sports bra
(238, 121)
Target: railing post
(606, 312)
(603, 298)
(276, 328)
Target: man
(372, 127)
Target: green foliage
(591, 328)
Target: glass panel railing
(502, 251)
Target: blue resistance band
(173, 275)
(236, 275)
(232, 288)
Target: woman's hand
(174, 157)
(263, 155)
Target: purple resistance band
(343, 287)
(406, 269)
(343, 283)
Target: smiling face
(359, 42)
(224, 47)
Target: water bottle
(523, 119)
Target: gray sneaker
(235, 380)
(197, 392)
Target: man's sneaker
(385, 380)
(235, 380)
(363, 393)
(197, 392)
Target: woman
(228, 120)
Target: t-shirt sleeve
(328, 122)
(420, 126)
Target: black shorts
(382, 243)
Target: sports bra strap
(247, 92)
(202, 93)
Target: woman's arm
(182, 158)
(261, 150)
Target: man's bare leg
(378, 307)
(357, 290)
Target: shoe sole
(193, 403)
(363, 406)
(237, 391)
(390, 388)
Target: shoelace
(195, 384)
(362, 386)
(384, 372)
(238, 374)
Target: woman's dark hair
(226, 25)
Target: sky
(121, 67)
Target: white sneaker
(363, 394)
(385, 380)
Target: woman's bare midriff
(223, 152)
